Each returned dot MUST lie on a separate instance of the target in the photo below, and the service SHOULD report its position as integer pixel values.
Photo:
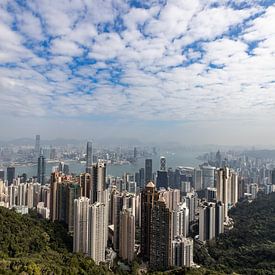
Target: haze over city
(191, 72)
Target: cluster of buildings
(146, 214)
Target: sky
(189, 72)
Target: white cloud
(144, 71)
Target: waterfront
(173, 159)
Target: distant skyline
(190, 72)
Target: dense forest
(29, 245)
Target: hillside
(32, 246)
(250, 247)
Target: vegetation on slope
(32, 246)
(249, 248)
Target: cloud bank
(162, 61)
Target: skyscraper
(41, 168)
(208, 176)
(98, 230)
(148, 170)
(85, 184)
(162, 179)
(72, 193)
(117, 205)
(207, 222)
(81, 222)
(89, 156)
(148, 198)
(55, 179)
(10, 174)
(162, 164)
(98, 180)
(160, 236)
(180, 221)
(141, 177)
(211, 220)
(37, 146)
(127, 235)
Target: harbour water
(173, 159)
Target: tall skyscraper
(160, 236)
(10, 174)
(148, 170)
(162, 164)
(98, 180)
(37, 146)
(227, 188)
(162, 179)
(55, 179)
(182, 252)
(148, 198)
(41, 169)
(141, 177)
(127, 235)
(81, 222)
(98, 230)
(89, 156)
(117, 205)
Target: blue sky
(154, 70)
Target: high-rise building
(55, 179)
(73, 193)
(208, 176)
(98, 231)
(180, 221)
(162, 179)
(148, 198)
(117, 206)
(162, 164)
(198, 179)
(148, 170)
(171, 178)
(89, 156)
(227, 188)
(81, 223)
(160, 236)
(127, 235)
(98, 180)
(182, 252)
(191, 200)
(207, 222)
(211, 220)
(171, 197)
(141, 177)
(211, 194)
(37, 146)
(10, 174)
(85, 184)
(41, 169)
